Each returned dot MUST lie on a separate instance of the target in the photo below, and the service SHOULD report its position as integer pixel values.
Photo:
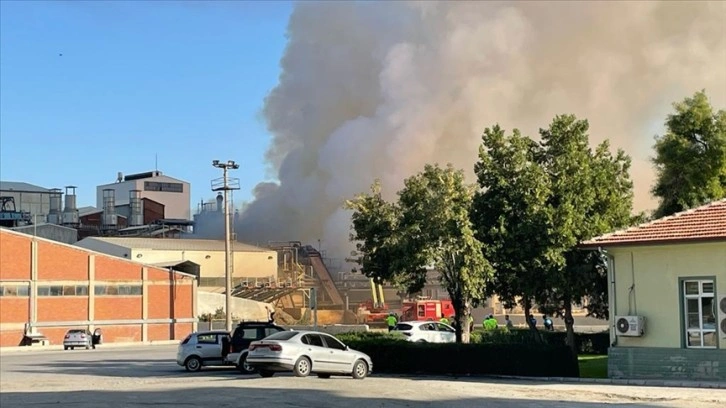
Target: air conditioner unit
(633, 326)
(722, 318)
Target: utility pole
(226, 184)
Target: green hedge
(587, 343)
(391, 354)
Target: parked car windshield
(286, 335)
(403, 327)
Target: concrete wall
(51, 231)
(211, 263)
(242, 309)
(653, 272)
(163, 308)
(667, 363)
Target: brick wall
(119, 317)
(667, 363)
(108, 268)
(62, 308)
(14, 257)
(61, 262)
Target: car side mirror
(345, 348)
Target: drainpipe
(612, 300)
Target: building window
(700, 313)
(165, 187)
(117, 290)
(14, 290)
(63, 290)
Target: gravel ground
(143, 376)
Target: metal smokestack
(56, 202)
(109, 209)
(136, 218)
(70, 212)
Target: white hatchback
(426, 332)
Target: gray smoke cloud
(376, 90)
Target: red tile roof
(707, 222)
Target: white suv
(426, 332)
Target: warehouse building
(204, 258)
(47, 288)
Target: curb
(23, 349)
(621, 381)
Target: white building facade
(173, 193)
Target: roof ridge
(692, 222)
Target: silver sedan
(306, 352)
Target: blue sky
(183, 80)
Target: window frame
(685, 330)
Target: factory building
(25, 204)
(130, 190)
(204, 258)
(47, 288)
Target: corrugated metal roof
(176, 244)
(21, 187)
(707, 222)
(82, 211)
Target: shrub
(587, 343)
(392, 354)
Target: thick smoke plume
(376, 90)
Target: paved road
(147, 376)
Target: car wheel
(302, 367)
(323, 375)
(243, 367)
(65, 347)
(360, 370)
(193, 364)
(266, 374)
(421, 341)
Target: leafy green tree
(375, 232)
(428, 227)
(510, 214)
(690, 158)
(591, 194)
(537, 201)
(436, 230)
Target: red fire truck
(426, 309)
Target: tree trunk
(459, 317)
(570, 327)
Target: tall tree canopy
(429, 226)
(510, 213)
(537, 201)
(375, 228)
(690, 158)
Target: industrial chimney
(136, 217)
(70, 212)
(109, 221)
(56, 203)
(220, 202)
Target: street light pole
(224, 185)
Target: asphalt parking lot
(143, 376)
